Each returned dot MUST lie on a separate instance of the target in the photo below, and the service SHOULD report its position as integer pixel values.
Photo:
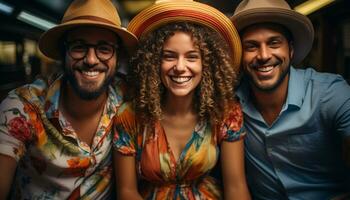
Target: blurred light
(311, 6)
(35, 21)
(5, 8)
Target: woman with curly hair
(183, 110)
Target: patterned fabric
(161, 176)
(52, 162)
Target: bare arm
(124, 167)
(232, 163)
(7, 172)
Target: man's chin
(89, 94)
(91, 91)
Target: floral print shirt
(161, 176)
(52, 163)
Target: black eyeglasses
(78, 50)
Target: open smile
(180, 79)
(90, 74)
(264, 68)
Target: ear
(291, 49)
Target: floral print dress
(161, 177)
(52, 163)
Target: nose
(264, 53)
(180, 65)
(91, 57)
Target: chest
(197, 154)
(86, 129)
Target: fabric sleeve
(336, 106)
(125, 129)
(232, 127)
(16, 130)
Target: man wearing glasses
(55, 135)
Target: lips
(180, 79)
(90, 74)
(264, 68)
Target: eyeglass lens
(78, 50)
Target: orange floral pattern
(161, 176)
(53, 164)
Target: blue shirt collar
(296, 90)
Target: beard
(285, 71)
(87, 93)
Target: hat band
(92, 18)
(179, 15)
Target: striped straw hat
(167, 11)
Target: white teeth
(264, 69)
(90, 73)
(180, 79)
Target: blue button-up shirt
(300, 155)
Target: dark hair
(216, 89)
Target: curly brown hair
(214, 94)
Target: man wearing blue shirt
(298, 121)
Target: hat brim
(49, 42)
(300, 26)
(163, 13)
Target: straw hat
(100, 13)
(167, 11)
(251, 12)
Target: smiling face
(181, 67)
(89, 76)
(266, 56)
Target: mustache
(90, 68)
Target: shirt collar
(296, 90)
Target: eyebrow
(171, 51)
(268, 39)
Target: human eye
(104, 48)
(167, 56)
(275, 43)
(192, 57)
(249, 47)
(77, 47)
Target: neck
(178, 106)
(270, 103)
(78, 108)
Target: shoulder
(125, 115)
(325, 83)
(234, 116)
(231, 128)
(16, 120)
(320, 77)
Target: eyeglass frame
(67, 44)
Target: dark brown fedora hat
(251, 12)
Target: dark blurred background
(23, 21)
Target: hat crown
(253, 4)
(164, 1)
(100, 10)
